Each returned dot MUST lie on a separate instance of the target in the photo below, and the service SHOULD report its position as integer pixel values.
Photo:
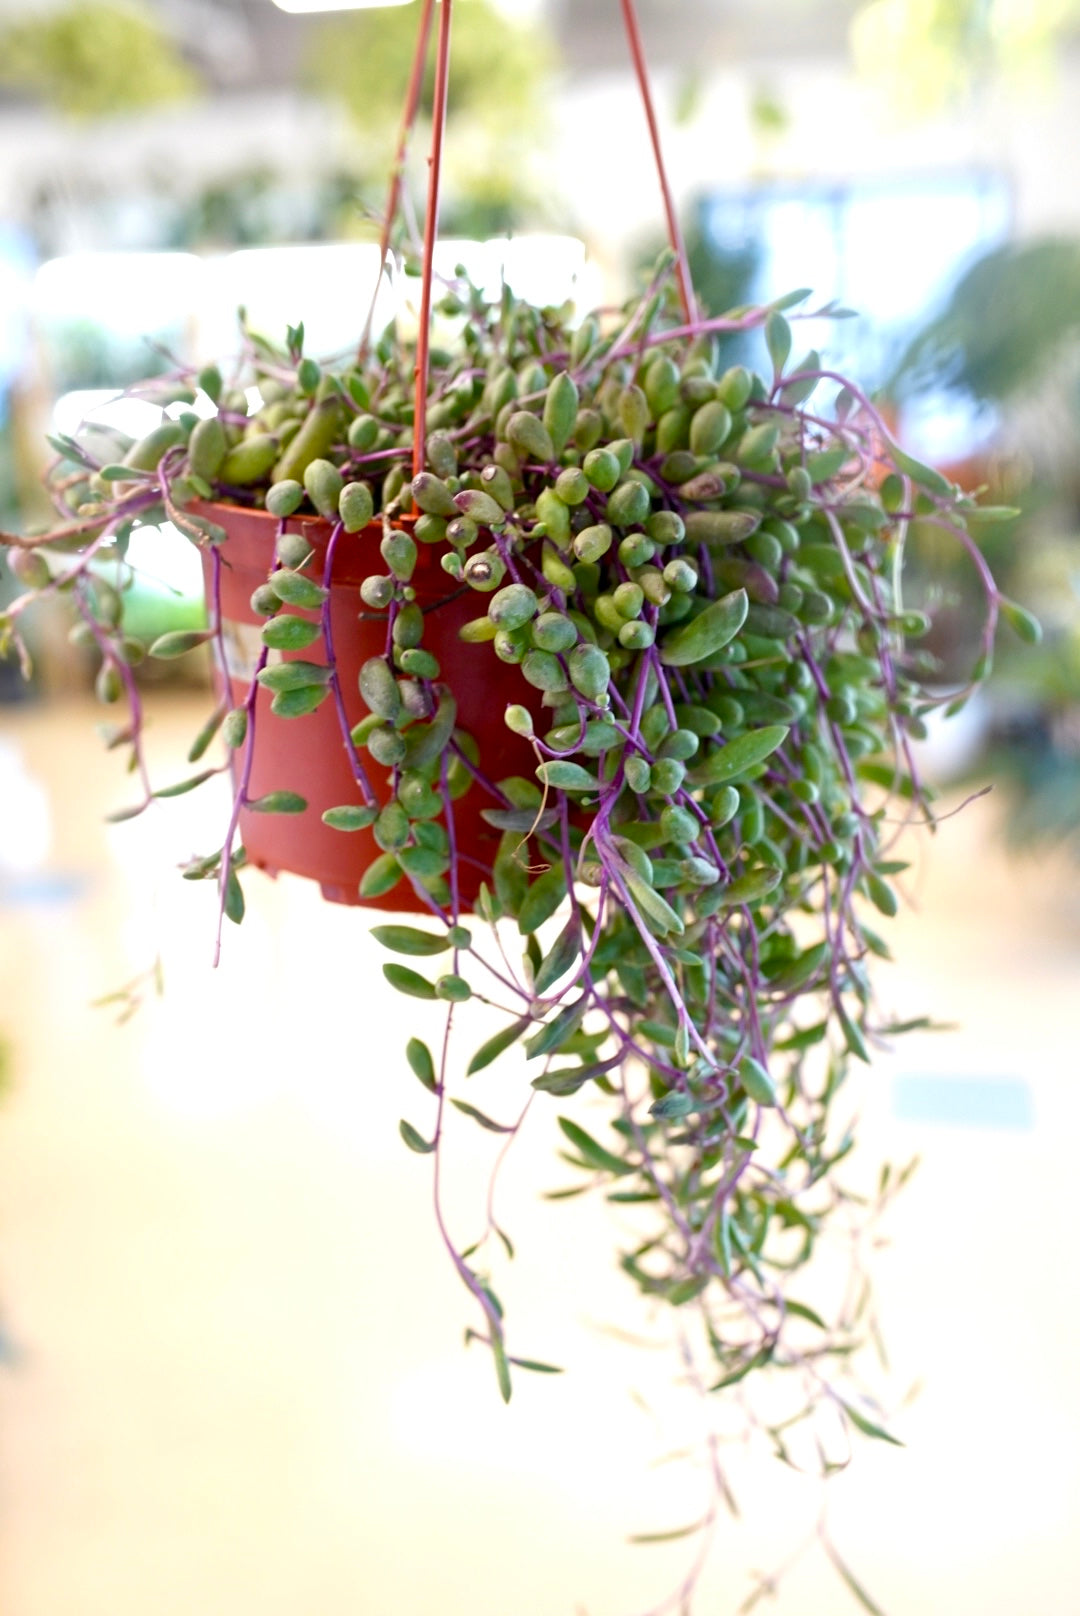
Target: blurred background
(231, 1376)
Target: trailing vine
(690, 576)
(688, 601)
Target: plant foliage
(690, 576)
(94, 58)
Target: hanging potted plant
(592, 651)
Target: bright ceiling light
(516, 10)
(337, 5)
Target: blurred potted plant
(586, 641)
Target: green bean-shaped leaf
(502, 1365)
(511, 880)
(566, 1080)
(419, 1058)
(536, 1366)
(426, 863)
(197, 528)
(881, 894)
(820, 467)
(753, 1361)
(415, 1140)
(179, 642)
(756, 1081)
(559, 958)
(802, 970)
(455, 989)
(799, 1310)
(234, 899)
(592, 1153)
(887, 775)
(778, 340)
(410, 982)
(410, 940)
(298, 702)
(710, 631)
(529, 436)
(771, 622)
(426, 743)
(349, 816)
(294, 675)
(853, 1037)
(279, 802)
(791, 300)
(563, 776)
(379, 688)
(672, 1106)
(181, 788)
(925, 476)
(988, 515)
(519, 819)
(542, 899)
(657, 910)
(753, 886)
(805, 369)
(729, 762)
(481, 1117)
(556, 1032)
(560, 409)
(290, 633)
(1021, 622)
(494, 1047)
(685, 1290)
(119, 816)
(868, 1427)
(206, 734)
(296, 589)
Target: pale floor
(234, 1381)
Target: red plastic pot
(308, 755)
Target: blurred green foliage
(81, 352)
(500, 75)
(1008, 340)
(926, 54)
(1006, 324)
(364, 58)
(94, 58)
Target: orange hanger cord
(431, 221)
(431, 230)
(637, 53)
(397, 171)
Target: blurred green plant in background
(1008, 324)
(927, 54)
(498, 95)
(95, 58)
(1008, 341)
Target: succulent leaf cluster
(691, 573)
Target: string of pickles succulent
(692, 575)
